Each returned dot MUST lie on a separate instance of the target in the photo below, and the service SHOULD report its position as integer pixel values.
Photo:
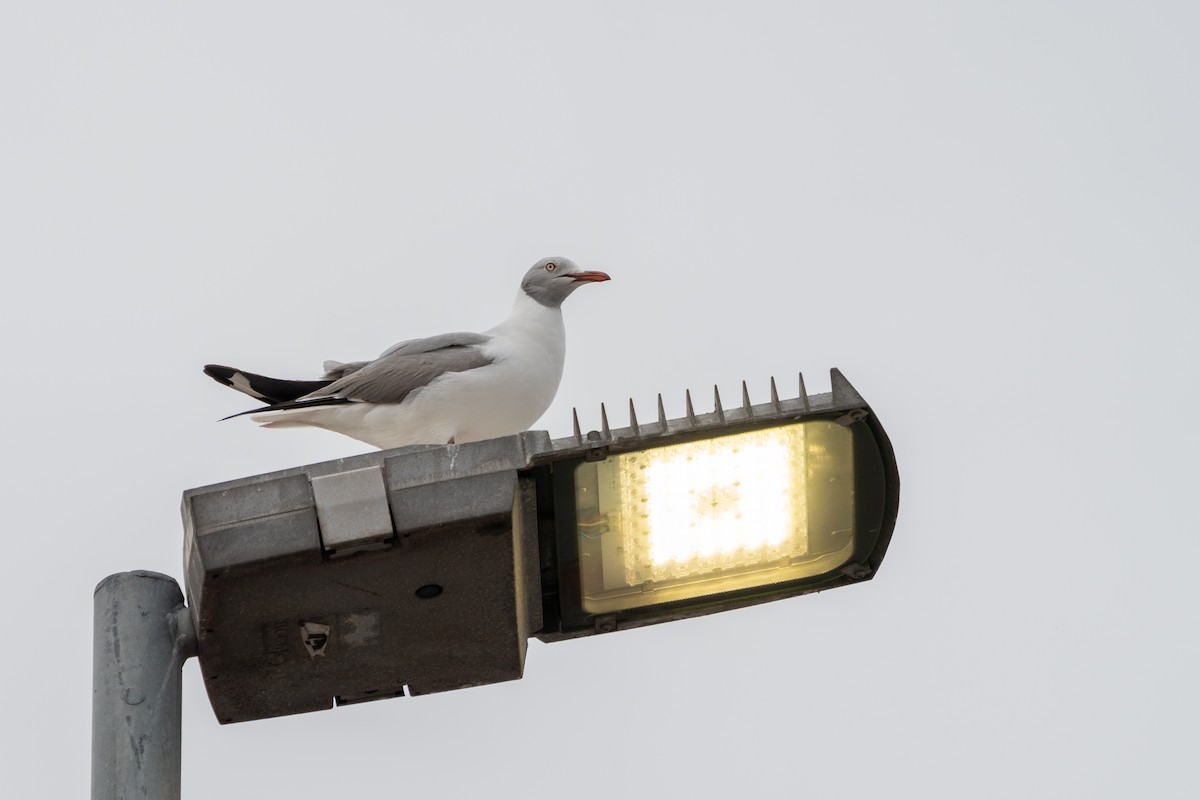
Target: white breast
(528, 350)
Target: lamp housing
(425, 569)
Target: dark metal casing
(408, 570)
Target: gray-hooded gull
(451, 388)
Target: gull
(446, 389)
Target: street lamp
(425, 569)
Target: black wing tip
(291, 404)
(219, 373)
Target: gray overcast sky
(984, 214)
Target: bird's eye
(551, 266)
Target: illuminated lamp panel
(688, 520)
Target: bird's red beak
(590, 277)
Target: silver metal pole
(142, 635)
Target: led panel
(714, 515)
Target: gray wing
(404, 368)
(336, 369)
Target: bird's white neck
(529, 313)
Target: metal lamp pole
(142, 635)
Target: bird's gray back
(431, 343)
(405, 367)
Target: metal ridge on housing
(842, 397)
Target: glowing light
(713, 515)
(714, 503)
